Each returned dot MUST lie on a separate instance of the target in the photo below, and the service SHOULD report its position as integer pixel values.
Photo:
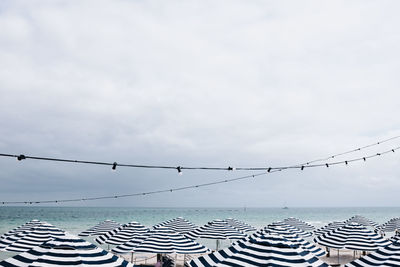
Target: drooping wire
(180, 168)
(269, 170)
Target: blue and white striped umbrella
(241, 226)
(289, 229)
(27, 226)
(65, 250)
(101, 228)
(361, 220)
(217, 229)
(317, 251)
(33, 237)
(161, 240)
(266, 250)
(178, 224)
(386, 256)
(391, 226)
(299, 224)
(352, 236)
(122, 234)
(329, 227)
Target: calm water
(77, 219)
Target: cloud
(223, 83)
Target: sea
(77, 219)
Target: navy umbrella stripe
(101, 228)
(29, 225)
(161, 240)
(34, 237)
(266, 250)
(317, 251)
(122, 234)
(217, 229)
(65, 250)
(289, 228)
(178, 224)
(386, 256)
(299, 224)
(241, 226)
(352, 236)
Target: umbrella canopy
(22, 228)
(241, 226)
(361, 220)
(178, 224)
(266, 250)
(352, 236)
(122, 234)
(329, 227)
(299, 224)
(161, 240)
(386, 256)
(65, 250)
(217, 229)
(101, 228)
(288, 228)
(33, 237)
(391, 226)
(293, 238)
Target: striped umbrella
(352, 236)
(122, 234)
(391, 226)
(293, 238)
(289, 229)
(33, 237)
(329, 227)
(65, 250)
(299, 224)
(178, 224)
(101, 228)
(386, 256)
(161, 240)
(361, 220)
(241, 226)
(27, 226)
(266, 250)
(217, 229)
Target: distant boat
(285, 208)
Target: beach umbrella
(386, 256)
(68, 250)
(391, 226)
(295, 238)
(265, 250)
(21, 228)
(178, 224)
(329, 227)
(352, 236)
(289, 228)
(101, 228)
(122, 234)
(299, 224)
(161, 240)
(217, 229)
(241, 226)
(33, 237)
(361, 220)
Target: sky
(199, 83)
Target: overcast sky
(200, 83)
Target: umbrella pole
(132, 257)
(338, 259)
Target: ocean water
(76, 219)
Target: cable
(270, 170)
(180, 168)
